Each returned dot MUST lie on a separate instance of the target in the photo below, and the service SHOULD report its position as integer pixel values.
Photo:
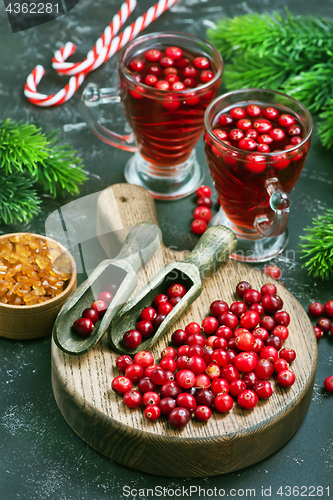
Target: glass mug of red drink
(166, 82)
(256, 144)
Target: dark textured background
(40, 456)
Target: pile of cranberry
(86, 324)
(151, 317)
(231, 356)
(170, 70)
(202, 214)
(262, 130)
(324, 325)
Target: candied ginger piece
(16, 287)
(23, 250)
(42, 262)
(27, 268)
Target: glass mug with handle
(256, 144)
(166, 82)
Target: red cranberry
(153, 55)
(161, 297)
(272, 303)
(205, 397)
(174, 301)
(83, 327)
(131, 339)
(244, 124)
(253, 110)
(209, 325)
(202, 381)
(268, 288)
(249, 320)
(146, 385)
(207, 354)
(270, 113)
(273, 271)
(179, 337)
(242, 287)
(219, 357)
(166, 405)
(218, 307)
(158, 376)
(91, 314)
(182, 362)
(228, 319)
(324, 324)
(257, 308)
(319, 334)
(197, 365)
(121, 384)
(247, 144)
(168, 352)
(134, 372)
(244, 340)
(164, 308)
(282, 318)
(238, 308)
(245, 361)
(224, 332)
(236, 387)
(286, 378)
(250, 379)
(186, 401)
(148, 314)
(265, 139)
(225, 120)
(288, 354)
(328, 384)
(196, 339)
(199, 226)
(195, 350)
(316, 309)
(185, 378)
(123, 361)
(176, 290)
(268, 323)
(192, 328)
(286, 120)
(281, 331)
(223, 403)
(170, 389)
(251, 297)
(229, 372)
(203, 413)
(99, 306)
(136, 65)
(179, 417)
(158, 320)
(152, 412)
(328, 308)
(145, 328)
(132, 399)
(202, 213)
(263, 389)
(247, 399)
(150, 398)
(277, 134)
(264, 369)
(262, 126)
(270, 353)
(237, 113)
(260, 333)
(280, 364)
(220, 343)
(274, 341)
(144, 358)
(258, 345)
(212, 371)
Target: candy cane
(30, 88)
(60, 56)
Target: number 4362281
(32, 8)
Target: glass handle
(279, 202)
(93, 96)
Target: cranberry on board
(179, 417)
(242, 287)
(245, 340)
(179, 337)
(223, 403)
(238, 308)
(286, 378)
(245, 361)
(272, 303)
(268, 323)
(258, 308)
(202, 413)
(282, 318)
(202, 381)
(197, 365)
(134, 372)
(187, 401)
(280, 364)
(247, 399)
(121, 384)
(167, 404)
(132, 399)
(152, 412)
(249, 320)
(228, 319)
(288, 354)
(264, 369)
(251, 297)
(123, 361)
(273, 271)
(263, 389)
(250, 379)
(144, 358)
(218, 307)
(146, 385)
(209, 325)
(268, 288)
(150, 398)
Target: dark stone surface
(40, 456)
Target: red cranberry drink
(167, 80)
(256, 143)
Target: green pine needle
(22, 146)
(313, 87)
(62, 171)
(325, 128)
(18, 200)
(317, 246)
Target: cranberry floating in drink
(256, 143)
(166, 82)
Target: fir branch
(22, 146)
(62, 170)
(317, 246)
(302, 38)
(313, 87)
(325, 128)
(18, 200)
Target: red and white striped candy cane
(30, 88)
(100, 47)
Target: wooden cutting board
(227, 442)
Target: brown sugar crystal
(32, 270)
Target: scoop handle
(141, 243)
(213, 248)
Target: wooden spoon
(141, 243)
(211, 251)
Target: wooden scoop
(141, 243)
(211, 251)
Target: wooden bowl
(30, 322)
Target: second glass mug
(166, 125)
(254, 196)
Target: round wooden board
(227, 442)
